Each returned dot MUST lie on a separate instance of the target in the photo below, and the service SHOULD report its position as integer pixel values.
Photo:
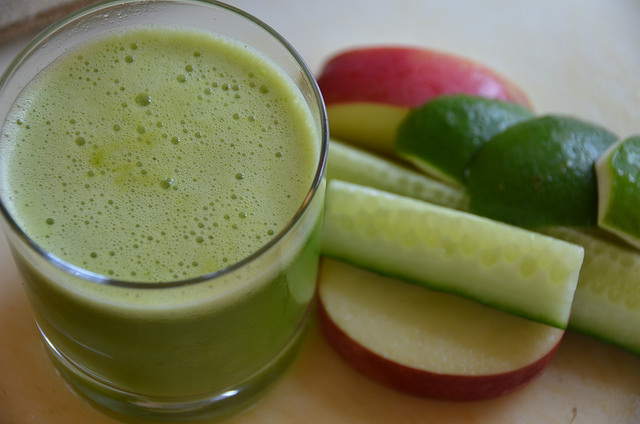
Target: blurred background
(570, 57)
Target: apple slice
(369, 91)
(428, 343)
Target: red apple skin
(408, 77)
(424, 383)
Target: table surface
(578, 61)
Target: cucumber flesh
(509, 268)
(357, 166)
(607, 300)
(609, 267)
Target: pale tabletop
(576, 58)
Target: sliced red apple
(368, 91)
(428, 343)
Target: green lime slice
(442, 136)
(539, 172)
(618, 175)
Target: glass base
(132, 406)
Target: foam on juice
(157, 154)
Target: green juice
(156, 155)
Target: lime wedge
(539, 172)
(499, 265)
(618, 175)
(442, 136)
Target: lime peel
(441, 136)
(539, 172)
(618, 176)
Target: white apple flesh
(427, 343)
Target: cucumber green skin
(607, 264)
(607, 300)
(416, 241)
(354, 165)
(446, 132)
(539, 172)
(623, 205)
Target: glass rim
(98, 278)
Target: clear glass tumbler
(183, 353)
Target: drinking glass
(182, 353)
